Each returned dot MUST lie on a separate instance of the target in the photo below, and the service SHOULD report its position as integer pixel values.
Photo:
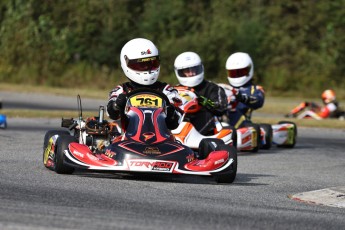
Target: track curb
(333, 197)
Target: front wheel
(208, 145)
(48, 144)
(62, 145)
(230, 174)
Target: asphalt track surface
(33, 197)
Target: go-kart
(187, 134)
(253, 136)
(145, 146)
(244, 139)
(311, 110)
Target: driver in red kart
(140, 62)
(329, 110)
(243, 95)
(189, 71)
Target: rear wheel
(47, 137)
(294, 134)
(257, 138)
(268, 136)
(61, 145)
(229, 175)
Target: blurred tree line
(296, 45)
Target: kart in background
(283, 134)
(3, 121)
(187, 134)
(146, 146)
(244, 139)
(254, 136)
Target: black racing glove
(241, 97)
(115, 107)
(173, 117)
(121, 101)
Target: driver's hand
(204, 101)
(120, 101)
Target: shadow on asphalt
(241, 178)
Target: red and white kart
(187, 134)
(147, 146)
(254, 136)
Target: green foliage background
(297, 45)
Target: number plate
(146, 100)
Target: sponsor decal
(109, 153)
(79, 154)
(92, 157)
(190, 157)
(152, 150)
(143, 165)
(148, 135)
(162, 166)
(147, 59)
(146, 52)
(219, 162)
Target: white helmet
(140, 61)
(240, 69)
(189, 69)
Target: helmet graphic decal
(148, 135)
(146, 52)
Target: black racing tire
(48, 135)
(61, 145)
(208, 145)
(229, 175)
(268, 135)
(258, 141)
(294, 137)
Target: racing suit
(242, 101)
(203, 120)
(117, 102)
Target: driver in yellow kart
(140, 63)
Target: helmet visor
(235, 73)
(143, 64)
(190, 71)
